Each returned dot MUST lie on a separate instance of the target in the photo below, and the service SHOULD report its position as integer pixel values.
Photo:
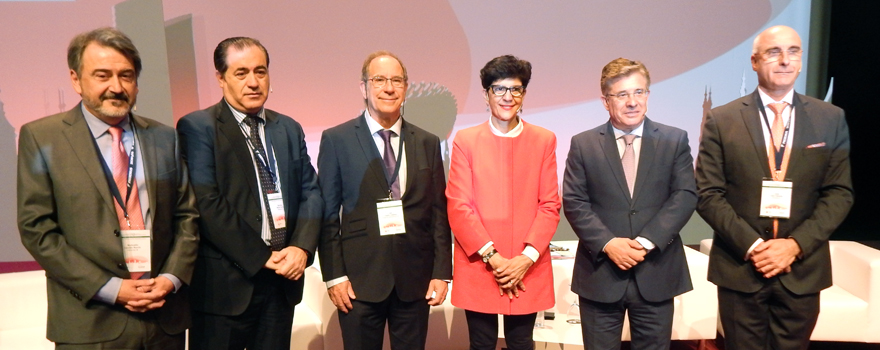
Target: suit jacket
(730, 167)
(598, 205)
(352, 178)
(225, 183)
(68, 222)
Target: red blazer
(503, 190)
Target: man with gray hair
(105, 207)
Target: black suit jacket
(352, 178)
(225, 184)
(597, 203)
(67, 221)
(730, 167)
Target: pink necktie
(629, 162)
(119, 159)
(778, 128)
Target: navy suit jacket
(598, 205)
(352, 178)
(225, 183)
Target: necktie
(119, 160)
(390, 162)
(778, 127)
(267, 183)
(629, 162)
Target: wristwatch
(489, 255)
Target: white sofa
(850, 308)
(23, 311)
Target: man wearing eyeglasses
(628, 190)
(386, 248)
(260, 208)
(773, 175)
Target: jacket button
(116, 233)
(633, 212)
(259, 218)
(121, 266)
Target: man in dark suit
(261, 208)
(769, 266)
(393, 272)
(94, 179)
(628, 190)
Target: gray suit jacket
(730, 167)
(597, 203)
(68, 222)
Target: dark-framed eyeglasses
(379, 81)
(624, 95)
(500, 90)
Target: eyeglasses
(623, 95)
(379, 81)
(500, 90)
(794, 53)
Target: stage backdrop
(697, 52)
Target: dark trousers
(363, 327)
(772, 318)
(483, 330)
(650, 323)
(142, 332)
(264, 325)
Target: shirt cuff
(531, 253)
(174, 280)
(336, 281)
(646, 243)
(485, 248)
(108, 293)
(752, 248)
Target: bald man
(773, 177)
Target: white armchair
(850, 308)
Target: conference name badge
(276, 209)
(390, 217)
(136, 250)
(776, 199)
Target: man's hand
(439, 287)
(775, 256)
(144, 295)
(625, 253)
(341, 295)
(291, 262)
(272, 263)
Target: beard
(111, 105)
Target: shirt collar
(375, 127)
(637, 131)
(97, 126)
(512, 133)
(239, 116)
(767, 100)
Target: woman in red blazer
(503, 204)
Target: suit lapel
(371, 154)
(83, 145)
(646, 156)
(150, 161)
(410, 152)
(609, 146)
(804, 133)
(752, 119)
(275, 134)
(228, 127)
